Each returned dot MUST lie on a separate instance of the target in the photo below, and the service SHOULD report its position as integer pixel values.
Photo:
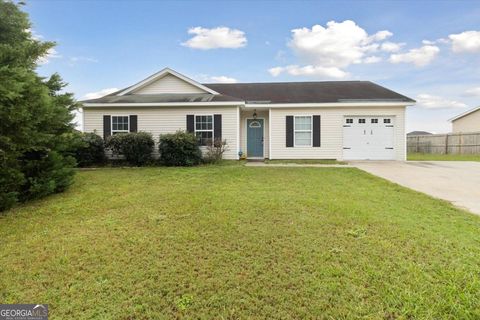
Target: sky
(426, 50)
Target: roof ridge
(286, 82)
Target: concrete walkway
(454, 181)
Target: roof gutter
(165, 104)
(251, 105)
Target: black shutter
(217, 127)
(316, 131)
(190, 123)
(289, 131)
(107, 127)
(133, 123)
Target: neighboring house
(467, 122)
(418, 133)
(284, 120)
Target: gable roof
(418, 133)
(163, 98)
(314, 92)
(466, 113)
(310, 92)
(162, 73)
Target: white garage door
(368, 138)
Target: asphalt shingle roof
(272, 92)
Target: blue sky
(427, 50)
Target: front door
(255, 138)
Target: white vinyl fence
(451, 143)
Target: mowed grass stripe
(238, 242)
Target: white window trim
(119, 131)
(204, 130)
(295, 131)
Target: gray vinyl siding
(168, 84)
(159, 120)
(331, 131)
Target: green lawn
(443, 157)
(234, 242)
(305, 161)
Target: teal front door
(255, 138)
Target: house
(342, 120)
(468, 121)
(418, 133)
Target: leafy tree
(35, 115)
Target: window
(255, 124)
(361, 120)
(204, 129)
(120, 124)
(303, 131)
(374, 121)
(349, 121)
(386, 120)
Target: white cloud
(34, 34)
(51, 54)
(309, 70)
(223, 79)
(436, 102)
(419, 56)
(221, 37)
(475, 92)
(391, 46)
(467, 41)
(99, 94)
(326, 51)
(338, 45)
(372, 59)
(84, 59)
(206, 78)
(381, 35)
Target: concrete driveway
(454, 181)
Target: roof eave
(466, 113)
(252, 105)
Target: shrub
(89, 150)
(46, 172)
(179, 149)
(136, 147)
(215, 151)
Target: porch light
(254, 113)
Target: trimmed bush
(87, 148)
(136, 147)
(179, 149)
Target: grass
(442, 157)
(305, 161)
(236, 242)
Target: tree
(35, 115)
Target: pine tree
(35, 115)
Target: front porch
(254, 133)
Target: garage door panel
(368, 138)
